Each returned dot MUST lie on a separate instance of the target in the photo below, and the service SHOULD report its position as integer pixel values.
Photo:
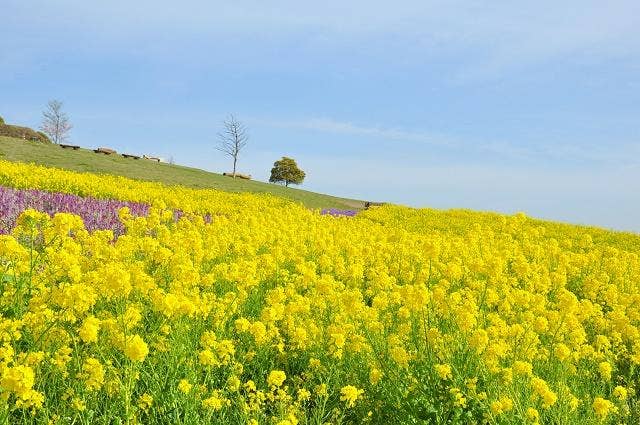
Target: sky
(504, 106)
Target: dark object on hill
(74, 147)
(105, 151)
(372, 204)
(238, 175)
(24, 133)
(126, 155)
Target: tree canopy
(286, 171)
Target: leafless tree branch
(232, 139)
(55, 123)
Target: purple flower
(338, 213)
(97, 214)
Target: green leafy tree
(286, 171)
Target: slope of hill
(23, 133)
(85, 160)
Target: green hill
(85, 160)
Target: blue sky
(504, 106)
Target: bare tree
(232, 139)
(55, 123)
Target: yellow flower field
(269, 313)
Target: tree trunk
(235, 160)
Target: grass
(85, 160)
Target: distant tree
(286, 171)
(55, 123)
(1, 121)
(232, 139)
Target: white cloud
(622, 154)
(490, 37)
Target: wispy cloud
(495, 36)
(623, 154)
(348, 128)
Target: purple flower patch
(338, 213)
(97, 214)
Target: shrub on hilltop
(24, 133)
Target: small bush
(24, 133)
(1, 121)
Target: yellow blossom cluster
(269, 313)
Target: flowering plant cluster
(337, 212)
(268, 313)
(97, 214)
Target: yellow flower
(276, 378)
(443, 371)
(562, 352)
(602, 407)
(303, 394)
(400, 356)
(479, 340)
(522, 368)
(233, 383)
(145, 401)
(215, 401)
(541, 388)
(78, 404)
(94, 373)
(207, 358)
(184, 386)
(321, 390)
(259, 332)
(136, 349)
(375, 375)
(350, 394)
(605, 370)
(496, 407)
(458, 397)
(18, 379)
(620, 392)
(89, 330)
(61, 357)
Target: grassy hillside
(86, 160)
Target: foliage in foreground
(271, 313)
